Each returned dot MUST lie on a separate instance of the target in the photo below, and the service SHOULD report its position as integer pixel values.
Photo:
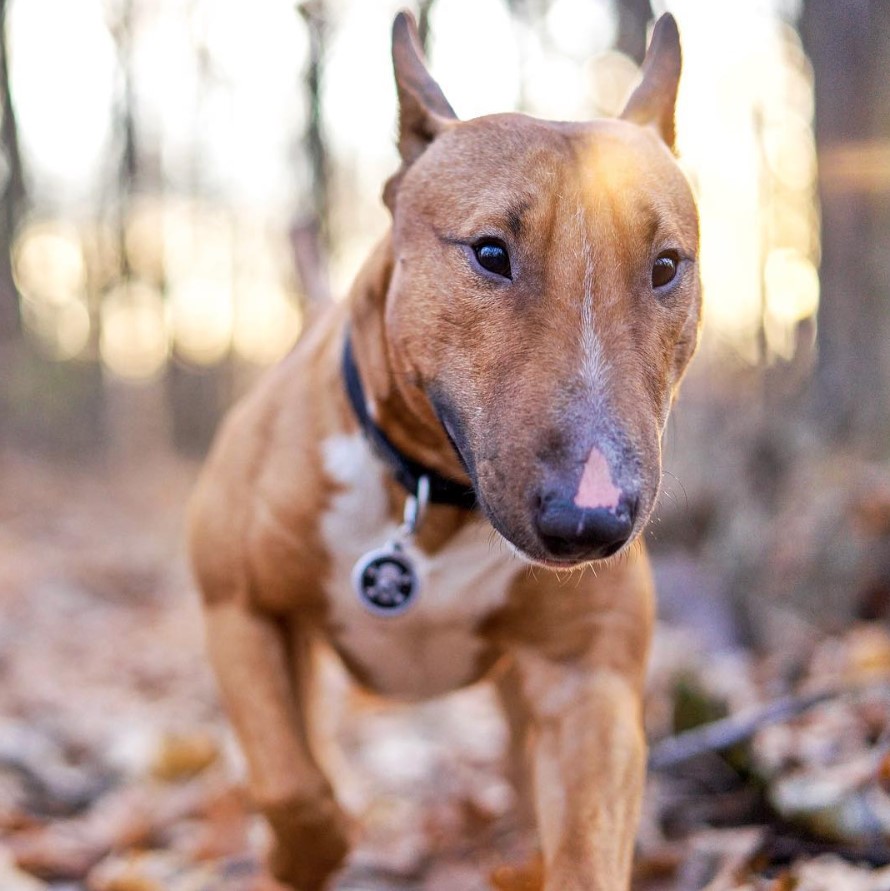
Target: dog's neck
(397, 401)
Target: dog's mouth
(550, 532)
(454, 430)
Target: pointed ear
(423, 108)
(652, 102)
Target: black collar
(407, 471)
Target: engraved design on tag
(386, 581)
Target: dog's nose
(578, 534)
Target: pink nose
(596, 488)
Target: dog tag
(385, 580)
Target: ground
(118, 772)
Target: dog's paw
(310, 842)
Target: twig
(727, 732)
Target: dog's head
(545, 300)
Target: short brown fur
(575, 353)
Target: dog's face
(545, 299)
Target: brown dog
(508, 355)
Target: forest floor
(118, 772)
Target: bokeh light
(792, 285)
(267, 321)
(219, 109)
(201, 317)
(50, 273)
(134, 340)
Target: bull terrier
(485, 412)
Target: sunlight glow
(744, 129)
(144, 240)
(792, 285)
(791, 152)
(473, 50)
(49, 270)
(62, 69)
(220, 106)
(613, 75)
(559, 88)
(267, 323)
(61, 331)
(581, 29)
(48, 263)
(201, 318)
(134, 340)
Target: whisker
(680, 484)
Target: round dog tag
(385, 581)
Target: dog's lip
(568, 563)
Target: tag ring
(415, 507)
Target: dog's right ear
(423, 109)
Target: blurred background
(180, 180)
(185, 181)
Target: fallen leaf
(13, 879)
(182, 756)
(527, 877)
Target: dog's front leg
(262, 670)
(588, 762)
(582, 679)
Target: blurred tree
(314, 15)
(310, 231)
(633, 20)
(121, 27)
(849, 47)
(424, 9)
(196, 396)
(12, 193)
(43, 403)
(528, 19)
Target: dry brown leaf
(140, 872)
(13, 879)
(183, 755)
(868, 650)
(56, 850)
(783, 882)
(833, 874)
(223, 829)
(528, 877)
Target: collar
(408, 472)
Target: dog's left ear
(652, 102)
(423, 109)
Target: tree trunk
(315, 16)
(12, 197)
(633, 19)
(849, 47)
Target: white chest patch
(431, 648)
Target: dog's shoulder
(252, 516)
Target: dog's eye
(664, 271)
(492, 255)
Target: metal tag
(385, 580)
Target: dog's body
(514, 332)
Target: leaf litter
(118, 771)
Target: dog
(485, 411)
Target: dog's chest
(432, 647)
